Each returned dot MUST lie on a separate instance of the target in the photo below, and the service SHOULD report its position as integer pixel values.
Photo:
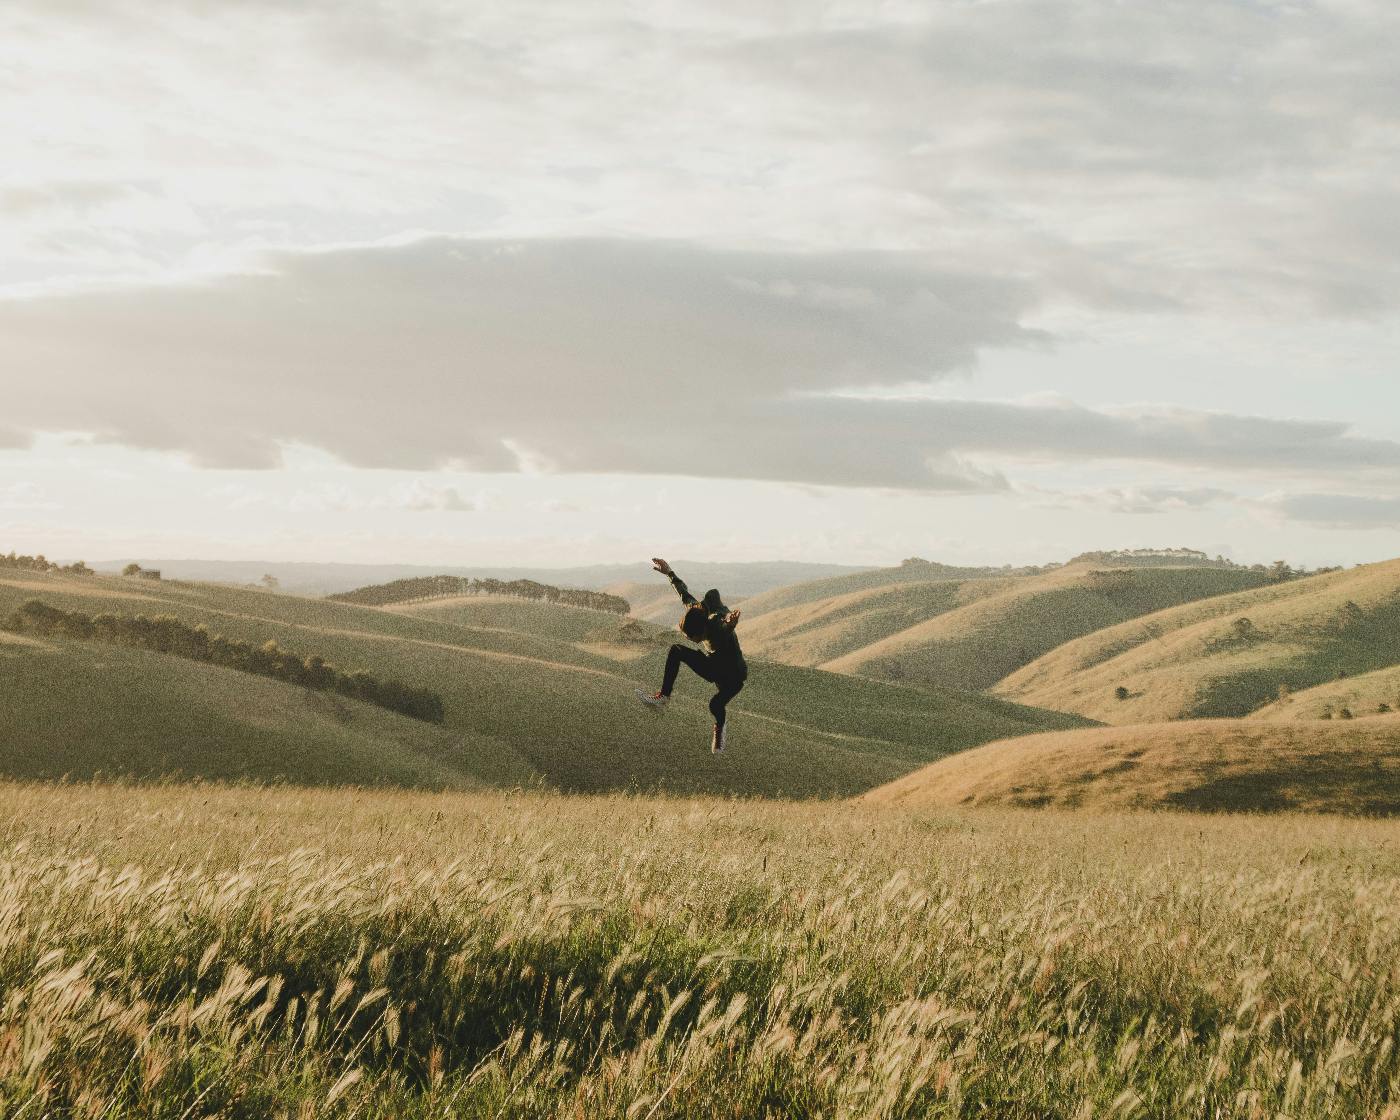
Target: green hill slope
(1225, 656)
(82, 709)
(1207, 765)
(591, 631)
(998, 626)
(568, 712)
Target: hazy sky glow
(544, 283)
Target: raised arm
(665, 569)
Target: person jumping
(710, 623)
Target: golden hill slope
(1225, 656)
(820, 630)
(1375, 693)
(816, 590)
(560, 709)
(963, 633)
(1206, 765)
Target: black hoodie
(719, 641)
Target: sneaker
(655, 700)
(717, 742)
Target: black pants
(728, 684)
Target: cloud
(597, 357)
(422, 498)
(604, 356)
(1136, 499)
(417, 496)
(1337, 511)
(1115, 155)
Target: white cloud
(1120, 155)
(1136, 499)
(422, 498)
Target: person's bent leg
(677, 655)
(720, 700)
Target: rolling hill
(1225, 656)
(1374, 693)
(968, 633)
(538, 703)
(1207, 765)
(81, 709)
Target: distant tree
(1121, 692)
(1344, 713)
(131, 570)
(270, 581)
(1383, 708)
(1280, 572)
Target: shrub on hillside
(168, 634)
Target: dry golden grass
(1210, 765)
(1367, 695)
(204, 951)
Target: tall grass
(215, 951)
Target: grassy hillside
(1212, 765)
(821, 630)
(568, 712)
(1225, 656)
(214, 952)
(963, 633)
(81, 709)
(1375, 693)
(590, 630)
(998, 626)
(815, 590)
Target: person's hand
(661, 566)
(731, 619)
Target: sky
(544, 283)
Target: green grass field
(1195, 661)
(79, 710)
(1238, 766)
(545, 704)
(175, 952)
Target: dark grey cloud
(596, 357)
(1339, 511)
(576, 355)
(1060, 431)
